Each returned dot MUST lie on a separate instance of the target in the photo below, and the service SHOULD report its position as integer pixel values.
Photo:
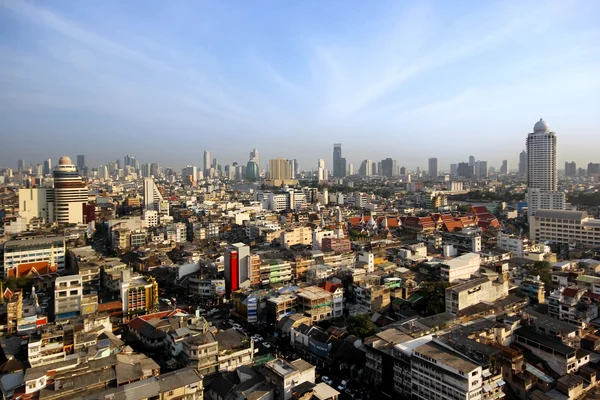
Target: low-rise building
(461, 267)
(285, 375)
(315, 302)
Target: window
(474, 373)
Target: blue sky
(165, 80)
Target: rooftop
(313, 293)
(447, 357)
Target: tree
(544, 270)
(361, 326)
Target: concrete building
(152, 196)
(285, 375)
(280, 169)
(42, 253)
(275, 272)
(315, 303)
(68, 296)
(339, 163)
(37, 203)
(484, 289)
(542, 178)
(461, 267)
(565, 227)
(237, 263)
(139, 294)
(70, 193)
(295, 236)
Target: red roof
(570, 292)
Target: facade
(152, 196)
(139, 294)
(20, 255)
(70, 193)
(315, 303)
(285, 375)
(565, 227)
(295, 236)
(275, 272)
(473, 292)
(68, 296)
(36, 203)
(461, 267)
(280, 169)
(542, 179)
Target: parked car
(267, 345)
(343, 385)
(327, 380)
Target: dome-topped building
(64, 160)
(541, 126)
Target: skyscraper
(388, 167)
(433, 167)
(366, 168)
(279, 169)
(70, 193)
(504, 167)
(152, 196)
(542, 180)
(339, 163)
(570, 169)
(47, 167)
(206, 166)
(471, 161)
(523, 163)
(252, 171)
(80, 162)
(453, 169)
(21, 165)
(321, 172)
(254, 156)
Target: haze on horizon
(164, 81)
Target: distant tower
(433, 167)
(206, 165)
(70, 193)
(542, 179)
(254, 156)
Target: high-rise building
(504, 168)
(465, 170)
(252, 171)
(70, 193)
(433, 167)
(152, 196)
(570, 168)
(321, 172)
(254, 156)
(542, 180)
(236, 259)
(339, 163)
(279, 169)
(21, 165)
(37, 203)
(206, 166)
(453, 169)
(481, 169)
(471, 161)
(350, 169)
(293, 168)
(375, 168)
(593, 169)
(80, 162)
(388, 167)
(366, 168)
(47, 167)
(523, 160)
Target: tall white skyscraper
(152, 196)
(206, 161)
(321, 173)
(542, 179)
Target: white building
(34, 250)
(152, 196)
(68, 296)
(542, 179)
(36, 203)
(565, 227)
(461, 267)
(150, 219)
(70, 193)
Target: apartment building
(301, 235)
(68, 296)
(24, 253)
(274, 272)
(139, 294)
(315, 303)
(571, 305)
(561, 226)
(281, 306)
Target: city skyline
(76, 78)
